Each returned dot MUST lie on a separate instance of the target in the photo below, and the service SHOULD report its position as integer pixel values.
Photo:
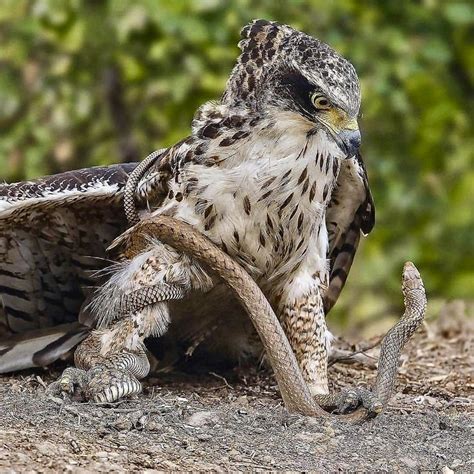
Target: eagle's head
(289, 75)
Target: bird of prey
(271, 173)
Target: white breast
(267, 206)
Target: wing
(54, 232)
(350, 212)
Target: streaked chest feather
(267, 210)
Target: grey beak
(350, 140)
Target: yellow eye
(319, 101)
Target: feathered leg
(301, 310)
(130, 307)
(304, 322)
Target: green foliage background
(86, 83)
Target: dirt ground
(235, 421)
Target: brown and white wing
(350, 212)
(54, 232)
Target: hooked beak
(348, 138)
(349, 142)
(345, 131)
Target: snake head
(411, 278)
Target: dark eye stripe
(301, 91)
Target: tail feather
(39, 348)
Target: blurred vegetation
(87, 83)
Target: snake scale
(293, 388)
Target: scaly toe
(370, 401)
(69, 384)
(116, 392)
(348, 402)
(107, 385)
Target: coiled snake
(293, 388)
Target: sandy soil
(235, 421)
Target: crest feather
(260, 44)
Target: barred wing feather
(54, 232)
(350, 212)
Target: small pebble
(202, 418)
(243, 401)
(141, 422)
(75, 446)
(122, 424)
(447, 470)
(450, 387)
(153, 425)
(268, 460)
(411, 463)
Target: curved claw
(99, 384)
(369, 400)
(71, 379)
(70, 384)
(347, 401)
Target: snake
(293, 388)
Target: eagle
(271, 173)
